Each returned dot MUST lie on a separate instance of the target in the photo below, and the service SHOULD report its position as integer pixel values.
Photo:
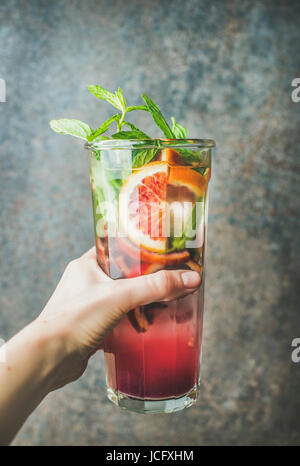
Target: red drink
(163, 361)
(155, 219)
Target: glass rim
(150, 144)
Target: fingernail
(190, 279)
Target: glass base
(169, 405)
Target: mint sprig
(178, 132)
(117, 99)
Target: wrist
(48, 347)
(31, 356)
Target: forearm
(25, 378)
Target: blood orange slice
(142, 206)
(188, 179)
(170, 156)
(148, 196)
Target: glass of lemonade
(150, 216)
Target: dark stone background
(224, 69)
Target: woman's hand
(87, 304)
(55, 348)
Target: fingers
(120, 296)
(183, 279)
(164, 285)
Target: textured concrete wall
(224, 68)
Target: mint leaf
(178, 244)
(120, 95)
(134, 134)
(98, 198)
(158, 117)
(136, 129)
(72, 127)
(192, 224)
(114, 99)
(179, 131)
(137, 107)
(116, 184)
(104, 127)
(143, 156)
(191, 157)
(100, 138)
(131, 126)
(200, 170)
(188, 233)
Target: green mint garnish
(178, 243)
(158, 117)
(143, 156)
(116, 99)
(137, 107)
(116, 184)
(200, 170)
(189, 156)
(140, 156)
(70, 126)
(134, 134)
(134, 128)
(104, 127)
(179, 131)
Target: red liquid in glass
(163, 361)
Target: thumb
(164, 285)
(121, 296)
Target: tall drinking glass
(150, 213)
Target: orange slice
(188, 178)
(145, 198)
(142, 206)
(171, 156)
